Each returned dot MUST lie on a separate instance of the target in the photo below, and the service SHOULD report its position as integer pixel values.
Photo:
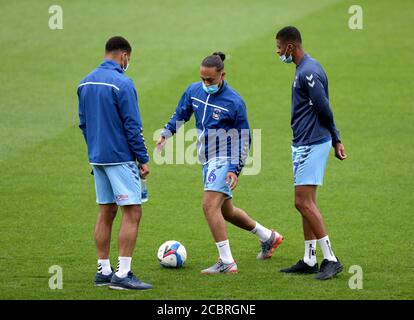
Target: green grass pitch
(47, 194)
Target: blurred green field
(47, 194)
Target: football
(172, 254)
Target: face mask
(126, 68)
(212, 89)
(285, 59)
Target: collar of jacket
(305, 57)
(223, 86)
(111, 64)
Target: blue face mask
(125, 68)
(285, 59)
(211, 89)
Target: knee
(304, 206)
(109, 210)
(137, 214)
(208, 207)
(107, 215)
(132, 213)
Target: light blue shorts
(309, 163)
(214, 176)
(118, 183)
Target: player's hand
(232, 180)
(143, 170)
(161, 144)
(340, 151)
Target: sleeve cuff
(166, 133)
(143, 160)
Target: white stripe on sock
(124, 266)
(104, 266)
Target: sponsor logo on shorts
(122, 197)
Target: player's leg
(103, 231)
(127, 237)
(269, 239)
(309, 164)
(212, 202)
(304, 203)
(307, 230)
(309, 256)
(312, 220)
(215, 192)
(313, 226)
(237, 216)
(311, 171)
(103, 228)
(126, 187)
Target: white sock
(124, 266)
(104, 266)
(310, 252)
(262, 232)
(325, 245)
(224, 251)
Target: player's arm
(181, 115)
(131, 119)
(242, 149)
(82, 118)
(321, 104)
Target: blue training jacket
(221, 122)
(312, 118)
(109, 116)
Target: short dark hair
(117, 43)
(289, 34)
(215, 60)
